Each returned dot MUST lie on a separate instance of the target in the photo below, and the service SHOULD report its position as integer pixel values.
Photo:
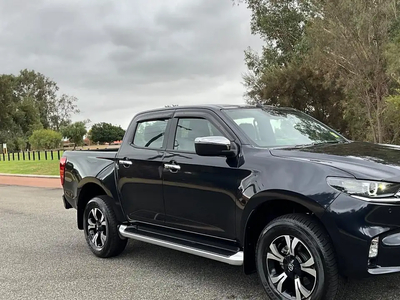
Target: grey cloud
(150, 51)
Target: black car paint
(360, 159)
(88, 168)
(259, 175)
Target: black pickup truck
(270, 189)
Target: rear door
(140, 168)
(200, 193)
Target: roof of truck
(210, 106)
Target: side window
(150, 134)
(191, 128)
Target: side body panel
(84, 167)
(140, 183)
(202, 195)
(274, 179)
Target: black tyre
(295, 259)
(101, 228)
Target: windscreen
(281, 127)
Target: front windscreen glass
(281, 127)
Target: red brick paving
(31, 181)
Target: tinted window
(189, 129)
(282, 127)
(150, 134)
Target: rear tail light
(63, 161)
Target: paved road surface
(44, 256)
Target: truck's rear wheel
(101, 228)
(295, 260)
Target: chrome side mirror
(215, 146)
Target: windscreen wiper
(318, 143)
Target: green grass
(34, 167)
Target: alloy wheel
(97, 228)
(291, 268)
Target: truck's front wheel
(295, 260)
(101, 228)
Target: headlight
(367, 190)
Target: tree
(55, 111)
(7, 107)
(45, 139)
(42, 90)
(283, 75)
(61, 110)
(75, 132)
(106, 133)
(336, 60)
(350, 39)
(29, 102)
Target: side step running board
(235, 259)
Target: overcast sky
(119, 57)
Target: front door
(199, 192)
(140, 171)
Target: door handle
(125, 162)
(172, 167)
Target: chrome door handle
(172, 167)
(125, 162)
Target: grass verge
(33, 167)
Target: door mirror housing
(215, 146)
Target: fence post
(29, 155)
(23, 155)
(58, 154)
(8, 154)
(52, 155)
(18, 156)
(33, 154)
(13, 156)
(38, 155)
(45, 154)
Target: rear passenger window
(150, 134)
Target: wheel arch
(265, 207)
(87, 190)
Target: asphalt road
(44, 256)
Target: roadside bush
(45, 139)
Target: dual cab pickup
(270, 189)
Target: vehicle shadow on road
(229, 282)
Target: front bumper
(352, 224)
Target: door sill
(228, 257)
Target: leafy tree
(45, 139)
(18, 144)
(281, 24)
(335, 60)
(27, 116)
(350, 40)
(61, 111)
(75, 132)
(283, 75)
(106, 133)
(29, 102)
(7, 107)
(55, 111)
(42, 90)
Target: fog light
(373, 249)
